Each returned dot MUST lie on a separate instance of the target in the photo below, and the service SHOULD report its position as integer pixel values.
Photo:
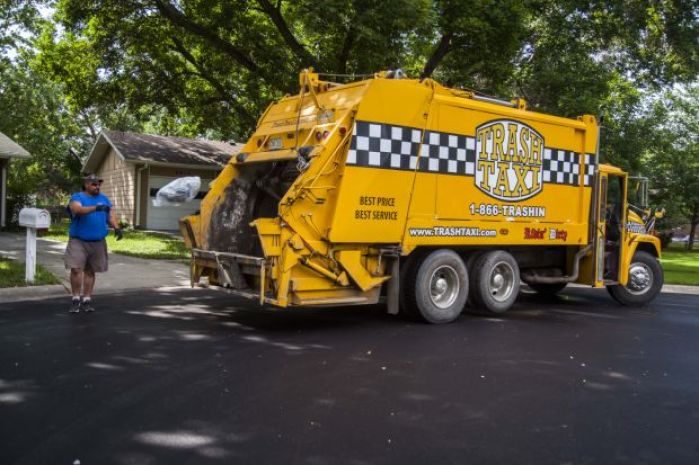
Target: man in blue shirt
(86, 253)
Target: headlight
(275, 143)
(326, 116)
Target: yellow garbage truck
(435, 199)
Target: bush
(15, 202)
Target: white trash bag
(177, 192)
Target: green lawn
(681, 266)
(12, 274)
(135, 243)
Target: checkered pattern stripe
(448, 153)
(589, 169)
(398, 147)
(384, 146)
(561, 167)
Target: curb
(679, 289)
(18, 294)
(31, 293)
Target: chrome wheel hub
(444, 286)
(502, 281)
(640, 278)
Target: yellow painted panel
(372, 203)
(458, 198)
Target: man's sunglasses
(95, 184)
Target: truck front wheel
(436, 287)
(644, 283)
(495, 282)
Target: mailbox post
(32, 219)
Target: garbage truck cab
(434, 197)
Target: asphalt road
(198, 377)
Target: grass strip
(139, 244)
(681, 266)
(12, 274)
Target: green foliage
(33, 113)
(210, 67)
(16, 18)
(674, 164)
(223, 61)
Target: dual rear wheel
(437, 284)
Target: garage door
(167, 218)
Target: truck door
(610, 239)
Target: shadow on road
(195, 376)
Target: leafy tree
(33, 113)
(16, 18)
(675, 163)
(224, 60)
(209, 67)
(35, 116)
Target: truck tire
(645, 281)
(495, 282)
(406, 266)
(547, 289)
(470, 261)
(436, 287)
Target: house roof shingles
(166, 149)
(10, 148)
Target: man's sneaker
(75, 306)
(86, 306)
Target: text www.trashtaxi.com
(451, 231)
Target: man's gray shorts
(86, 255)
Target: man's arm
(113, 219)
(118, 232)
(76, 208)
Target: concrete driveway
(198, 377)
(124, 273)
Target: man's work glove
(119, 233)
(102, 208)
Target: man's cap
(92, 177)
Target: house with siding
(8, 149)
(134, 166)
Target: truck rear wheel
(436, 287)
(495, 282)
(547, 289)
(644, 284)
(470, 261)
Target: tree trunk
(693, 228)
(443, 47)
(275, 15)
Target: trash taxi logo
(509, 160)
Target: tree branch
(172, 14)
(347, 45)
(443, 47)
(90, 127)
(275, 15)
(215, 83)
